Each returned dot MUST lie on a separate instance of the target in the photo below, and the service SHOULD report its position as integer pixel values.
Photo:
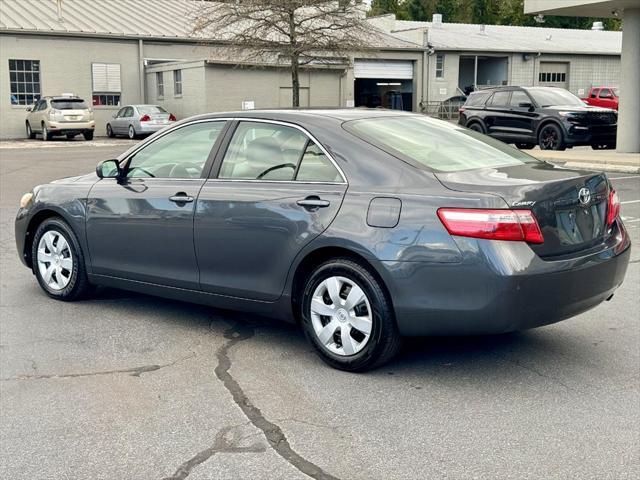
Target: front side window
(435, 145)
(546, 97)
(181, 153)
(594, 93)
(177, 82)
(160, 83)
(518, 97)
(606, 93)
(107, 86)
(24, 79)
(440, 65)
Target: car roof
(310, 114)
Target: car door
(125, 120)
(498, 114)
(273, 190)
(522, 115)
(140, 226)
(606, 98)
(116, 123)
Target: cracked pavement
(126, 386)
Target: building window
(160, 84)
(24, 77)
(177, 82)
(107, 87)
(440, 65)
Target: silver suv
(52, 116)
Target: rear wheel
(347, 316)
(525, 146)
(132, 132)
(30, 133)
(110, 133)
(46, 136)
(58, 261)
(551, 138)
(88, 135)
(476, 127)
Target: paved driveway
(125, 386)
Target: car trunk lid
(569, 205)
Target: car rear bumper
(146, 127)
(511, 289)
(71, 127)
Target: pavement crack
(273, 433)
(540, 374)
(134, 372)
(220, 445)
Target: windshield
(75, 104)
(547, 97)
(437, 145)
(150, 109)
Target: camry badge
(584, 196)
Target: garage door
(554, 74)
(393, 69)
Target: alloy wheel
(55, 261)
(549, 139)
(341, 316)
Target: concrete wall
(65, 67)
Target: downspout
(141, 75)
(425, 70)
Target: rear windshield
(437, 145)
(547, 97)
(69, 104)
(151, 109)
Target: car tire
(46, 136)
(88, 135)
(525, 146)
(372, 312)
(110, 133)
(30, 133)
(58, 261)
(603, 146)
(476, 127)
(551, 137)
(131, 133)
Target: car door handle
(181, 197)
(313, 203)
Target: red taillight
(145, 118)
(172, 117)
(613, 208)
(512, 225)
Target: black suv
(547, 116)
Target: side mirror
(108, 169)
(29, 108)
(527, 105)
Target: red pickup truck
(603, 97)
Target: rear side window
(435, 145)
(265, 151)
(71, 104)
(499, 99)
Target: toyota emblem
(584, 196)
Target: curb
(603, 167)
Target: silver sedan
(135, 120)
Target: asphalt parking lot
(126, 386)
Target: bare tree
(296, 32)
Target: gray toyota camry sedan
(362, 225)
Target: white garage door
(554, 74)
(394, 69)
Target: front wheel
(347, 316)
(476, 127)
(110, 133)
(551, 138)
(46, 136)
(58, 261)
